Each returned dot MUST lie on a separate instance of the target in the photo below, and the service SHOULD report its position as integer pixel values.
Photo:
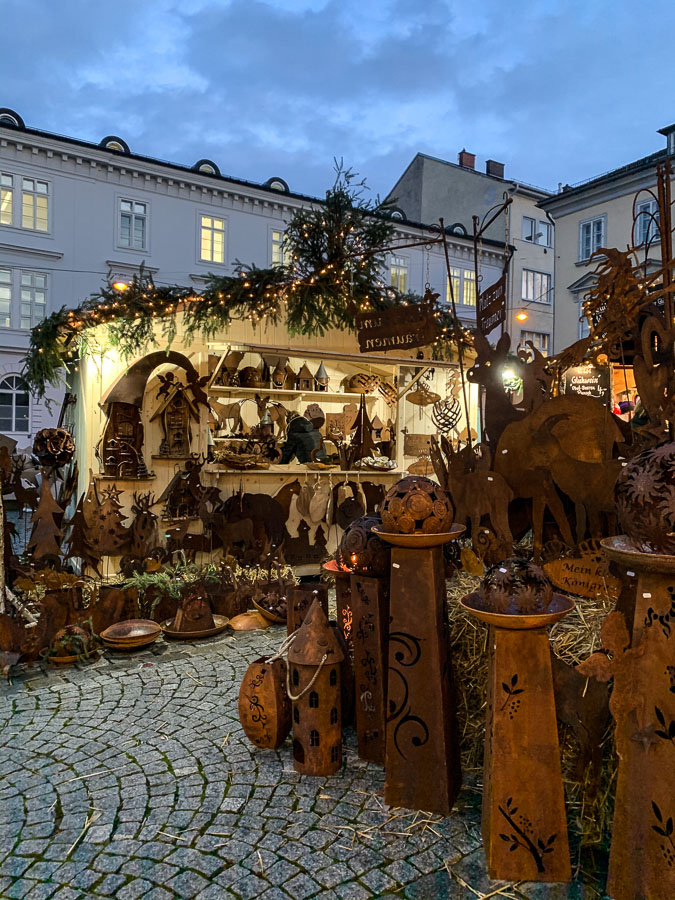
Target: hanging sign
(491, 306)
(587, 380)
(401, 328)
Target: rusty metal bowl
(419, 541)
(558, 607)
(133, 633)
(220, 624)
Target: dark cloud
(559, 91)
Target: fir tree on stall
(79, 542)
(45, 538)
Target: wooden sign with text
(491, 306)
(401, 328)
(585, 576)
(587, 380)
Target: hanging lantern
(314, 687)
(264, 707)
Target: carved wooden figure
(524, 825)
(370, 615)
(422, 768)
(315, 691)
(264, 707)
(300, 599)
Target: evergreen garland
(337, 256)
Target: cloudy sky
(559, 90)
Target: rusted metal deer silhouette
(277, 413)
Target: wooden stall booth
(257, 443)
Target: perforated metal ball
(362, 551)
(645, 500)
(417, 505)
(515, 586)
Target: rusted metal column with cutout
(300, 598)
(642, 854)
(422, 769)
(524, 825)
(370, 615)
(343, 597)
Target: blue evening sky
(558, 91)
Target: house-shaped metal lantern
(315, 690)
(305, 379)
(174, 413)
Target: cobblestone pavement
(148, 752)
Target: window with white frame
(23, 298)
(33, 299)
(6, 199)
(34, 204)
(5, 298)
(536, 287)
(24, 202)
(537, 231)
(540, 339)
(463, 286)
(646, 222)
(281, 255)
(14, 405)
(212, 239)
(591, 236)
(399, 273)
(133, 225)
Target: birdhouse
(315, 691)
(305, 379)
(175, 412)
(120, 448)
(321, 378)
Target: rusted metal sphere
(515, 586)
(645, 500)
(53, 446)
(362, 551)
(417, 505)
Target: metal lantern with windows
(314, 688)
(14, 405)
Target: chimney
(492, 167)
(669, 133)
(466, 159)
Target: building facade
(75, 214)
(612, 210)
(430, 188)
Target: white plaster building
(76, 213)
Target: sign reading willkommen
(491, 306)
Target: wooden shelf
(287, 470)
(148, 477)
(285, 392)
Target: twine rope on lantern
(307, 687)
(284, 646)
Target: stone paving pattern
(148, 748)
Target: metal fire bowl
(131, 631)
(270, 614)
(622, 550)
(220, 625)
(558, 608)
(419, 541)
(334, 568)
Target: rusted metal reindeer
(144, 528)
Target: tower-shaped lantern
(315, 691)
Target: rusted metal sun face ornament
(362, 551)
(645, 500)
(515, 586)
(417, 505)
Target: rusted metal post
(524, 825)
(642, 854)
(370, 609)
(422, 769)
